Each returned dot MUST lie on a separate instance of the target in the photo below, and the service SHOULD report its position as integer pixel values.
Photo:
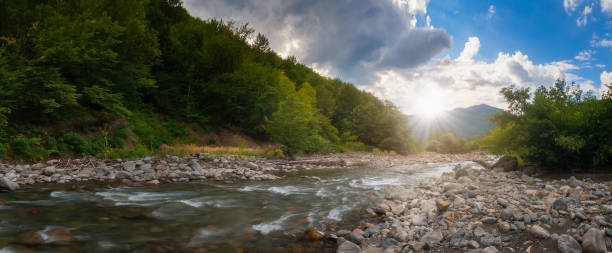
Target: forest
(121, 78)
(559, 128)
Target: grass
(187, 149)
(530, 183)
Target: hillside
(465, 122)
(91, 77)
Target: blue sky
(542, 29)
(432, 55)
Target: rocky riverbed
(498, 209)
(198, 167)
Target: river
(261, 216)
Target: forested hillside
(466, 122)
(92, 77)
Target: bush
(78, 144)
(30, 148)
(3, 151)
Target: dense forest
(95, 77)
(559, 128)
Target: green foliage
(77, 144)
(30, 148)
(559, 127)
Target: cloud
(350, 38)
(571, 5)
(582, 20)
(491, 11)
(463, 81)
(586, 55)
(600, 65)
(606, 6)
(602, 43)
(605, 78)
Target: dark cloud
(355, 38)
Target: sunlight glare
(429, 106)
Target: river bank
(489, 210)
(201, 167)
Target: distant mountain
(465, 122)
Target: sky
(440, 54)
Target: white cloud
(571, 5)
(586, 55)
(491, 11)
(602, 43)
(600, 65)
(606, 6)
(606, 77)
(583, 19)
(464, 81)
(469, 50)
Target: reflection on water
(212, 217)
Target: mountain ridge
(465, 122)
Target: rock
(5, 183)
(371, 249)
(593, 241)
(506, 163)
(60, 234)
(510, 213)
(490, 240)
(473, 244)
(432, 238)
(348, 247)
(442, 205)
(129, 166)
(356, 238)
(195, 166)
(559, 204)
(568, 244)
(479, 232)
(490, 249)
(313, 235)
(30, 238)
(539, 232)
(452, 187)
(382, 208)
(503, 226)
(429, 208)
(417, 246)
(488, 220)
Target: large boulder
(348, 247)
(5, 183)
(593, 241)
(507, 163)
(568, 244)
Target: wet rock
(60, 234)
(568, 244)
(7, 184)
(593, 241)
(313, 235)
(348, 247)
(29, 238)
(539, 232)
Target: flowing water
(257, 216)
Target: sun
(429, 106)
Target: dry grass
(186, 149)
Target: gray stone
(129, 166)
(479, 232)
(356, 238)
(473, 244)
(490, 240)
(593, 241)
(559, 204)
(488, 220)
(145, 166)
(195, 166)
(348, 247)
(509, 213)
(568, 244)
(5, 183)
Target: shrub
(30, 148)
(78, 144)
